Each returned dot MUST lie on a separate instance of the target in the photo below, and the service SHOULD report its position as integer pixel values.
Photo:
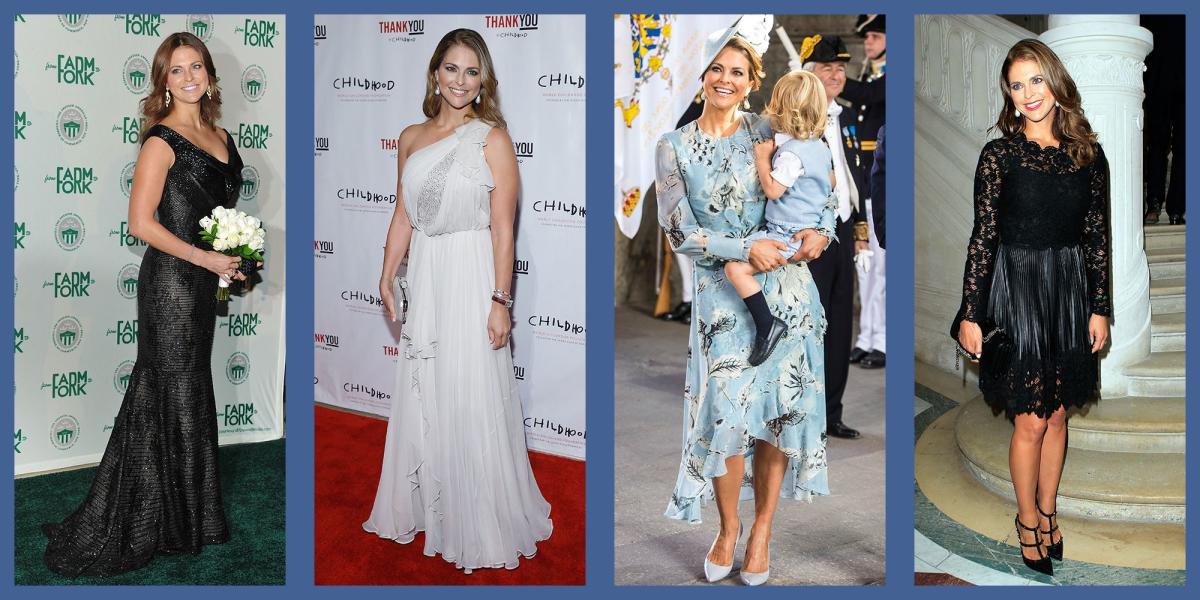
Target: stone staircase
(1126, 459)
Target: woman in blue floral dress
(748, 432)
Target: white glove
(862, 261)
(794, 65)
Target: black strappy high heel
(1042, 564)
(1055, 550)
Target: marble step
(1168, 296)
(1164, 236)
(1131, 424)
(1124, 486)
(1167, 262)
(1160, 375)
(1168, 332)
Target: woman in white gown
(455, 464)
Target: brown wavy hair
(488, 109)
(1070, 126)
(154, 106)
(740, 44)
(798, 105)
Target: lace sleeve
(1095, 237)
(676, 216)
(981, 252)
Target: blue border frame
(299, 414)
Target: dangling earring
(437, 91)
(210, 92)
(477, 98)
(746, 102)
(1017, 113)
(168, 98)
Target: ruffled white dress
(455, 465)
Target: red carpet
(349, 452)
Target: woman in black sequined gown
(1037, 268)
(156, 489)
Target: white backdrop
(78, 82)
(370, 74)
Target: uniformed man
(868, 98)
(867, 94)
(833, 272)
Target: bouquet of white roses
(234, 233)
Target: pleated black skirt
(1039, 298)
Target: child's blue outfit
(804, 167)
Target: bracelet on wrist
(502, 298)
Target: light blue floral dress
(710, 201)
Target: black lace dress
(156, 489)
(1037, 266)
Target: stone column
(1104, 55)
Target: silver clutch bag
(400, 297)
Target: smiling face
(727, 80)
(1029, 90)
(459, 78)
(832, 76)
(875, 44)
(187, 78)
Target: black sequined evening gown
(1037, 266)
(156, 489)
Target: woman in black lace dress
(156, 489)
(1037, 269)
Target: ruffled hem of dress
(806, 481)
(510, 565)
(472, 138)
(690, 509)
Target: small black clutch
(997, 350)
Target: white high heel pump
(714, 572)
(757, 578)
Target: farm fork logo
(68, 385)
(20, 122)
(238, 415)
(130, 129)
(70, 284)
(125, 238)
(253, 135)
(20, 232)
(242, 325)
(72, 180)
(146, 25)
(258, 33)
(126, 332)
(74, 70)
